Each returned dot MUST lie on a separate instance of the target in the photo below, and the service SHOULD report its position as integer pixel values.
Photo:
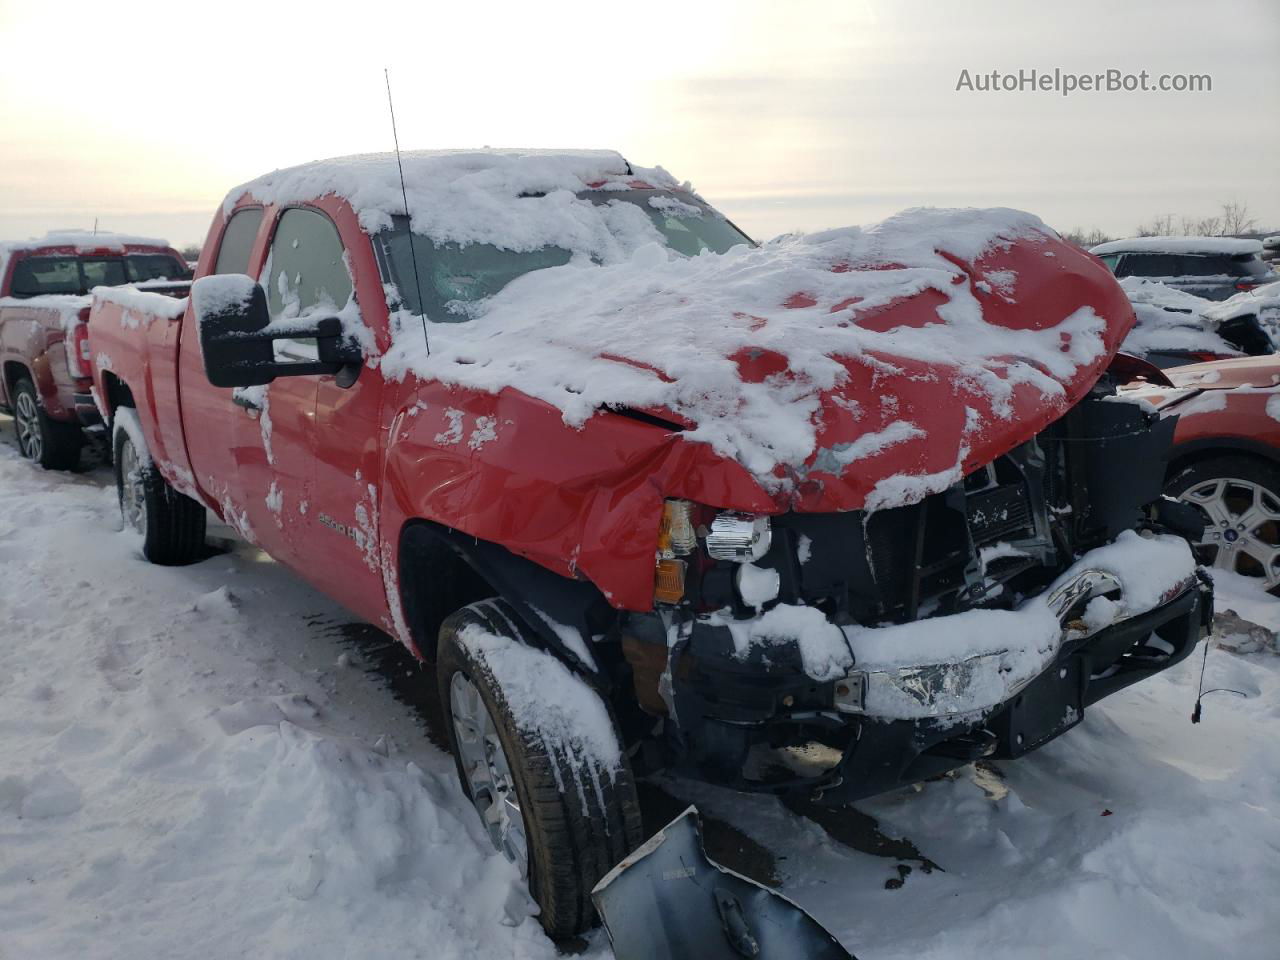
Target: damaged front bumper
(978, 683)
(759, 722)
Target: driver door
(305, 275)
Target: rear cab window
(143, 267)
(42, 275)
(237, 241)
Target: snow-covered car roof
(517, 199)
(1223, 245)
(82, 240)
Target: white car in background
(1214, 268)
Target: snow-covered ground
(196, 762)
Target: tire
(1240, 498)
(52, 444)
(172, 525)
(579, 820)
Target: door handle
(240, 400)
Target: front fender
(581, 503)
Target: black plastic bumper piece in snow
(669, 900)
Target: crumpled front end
(860, 650)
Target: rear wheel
(547, 802)
(172, 525)
(50, 443)
(1240, 499)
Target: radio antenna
(404, 194)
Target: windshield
(38, 276)
(155, 266)
(1186, 265)
(687, 224)
(453, 277)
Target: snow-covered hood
(1171, 320)
(1262, 302)
(861, 367)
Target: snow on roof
(517, 199)
(656, 330)
(83, 240)
(1225, 245)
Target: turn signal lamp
(668, 582)
(676, 538)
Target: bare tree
(1160, 226)
(1085, 238)
(1200, 227)
(1236, 219)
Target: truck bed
(133, 339)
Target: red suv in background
(44, 308)
(1226, 458)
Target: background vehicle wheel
(563, 817)
(1240, 498)
(171, 524)
(52, 444)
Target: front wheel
(1240, 499)
(538, 755)
(172, 526)
(50, 443)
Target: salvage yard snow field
(193, 765)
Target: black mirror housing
(230, 311)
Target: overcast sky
(785, 115)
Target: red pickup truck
(43, 338)
(826, 515)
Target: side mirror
(236, 337)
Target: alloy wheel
(1243, 530)
(27, 418)
(489, 779)
(133, 502)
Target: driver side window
(306, 273)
